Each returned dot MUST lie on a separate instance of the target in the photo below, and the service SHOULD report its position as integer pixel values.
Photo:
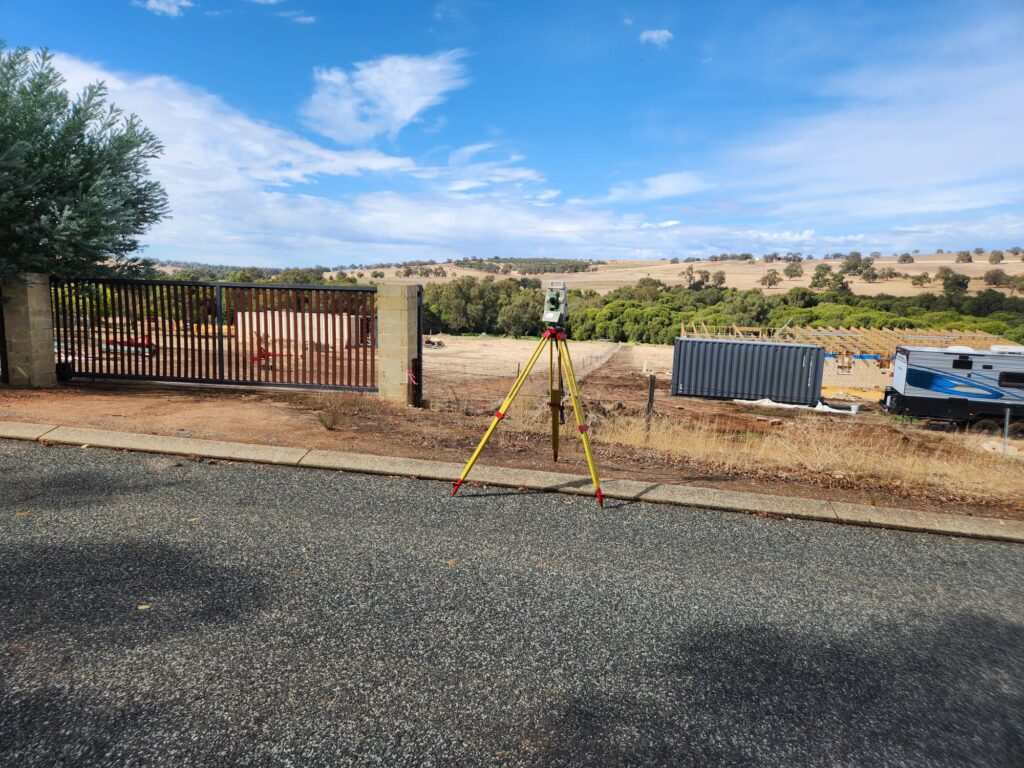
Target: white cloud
(657, 37)
(934, 136)
(220, 167)
(932, 150)
(298, 17)
(463, 155)
(266, 2)
(165, 7)
(666, 185)
(381, 96)
(464, 173)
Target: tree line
(651, 311)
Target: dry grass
(333, 407)
(848, 452)
(744, 275)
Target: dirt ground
(478, 371)
(707, 443)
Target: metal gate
(216, 333)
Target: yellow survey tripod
(558, 350)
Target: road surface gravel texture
(157, 610)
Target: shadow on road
(952, 695)
(73, 487)
(94, 591)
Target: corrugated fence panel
(748, 370)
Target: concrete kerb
(626, 490)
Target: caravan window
(963, 363)
(1012, 379)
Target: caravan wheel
(1017, 430)
(986, 427)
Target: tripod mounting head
(556, 304)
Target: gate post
(398, 340)
(28, 326)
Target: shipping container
(748, 370)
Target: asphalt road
(302, 617)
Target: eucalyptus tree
(75, 188)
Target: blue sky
(301, 132)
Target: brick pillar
(28, 324)
(397, 342)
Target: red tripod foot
(455, 486)
(600, 498)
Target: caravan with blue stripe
(958, 384)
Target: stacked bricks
(28, 322)
(397, 326)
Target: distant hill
(740, 271)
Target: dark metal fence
(216, 333)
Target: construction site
(858, 361)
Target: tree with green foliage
(793, 270)
(954, 284)
(905, 258)
(996, 277)
(718, 278)
(523, 314)
(837, 283)
(853, 264)
(963, 257)
(771, 278)
(822, 276)
(921, 279)
(239, 276)
(996, 257)
(75, 191)
(308, 276)
(868, 273)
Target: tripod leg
(555, 392)
(577, 407)
(506, 403)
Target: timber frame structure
(848, 342)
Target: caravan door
(899, 372)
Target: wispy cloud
(657, 37)
(914, 153)
(297, 17)
(381, 96)
(934, 134)
(165, 7)
(463, 155)
(666, 185)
